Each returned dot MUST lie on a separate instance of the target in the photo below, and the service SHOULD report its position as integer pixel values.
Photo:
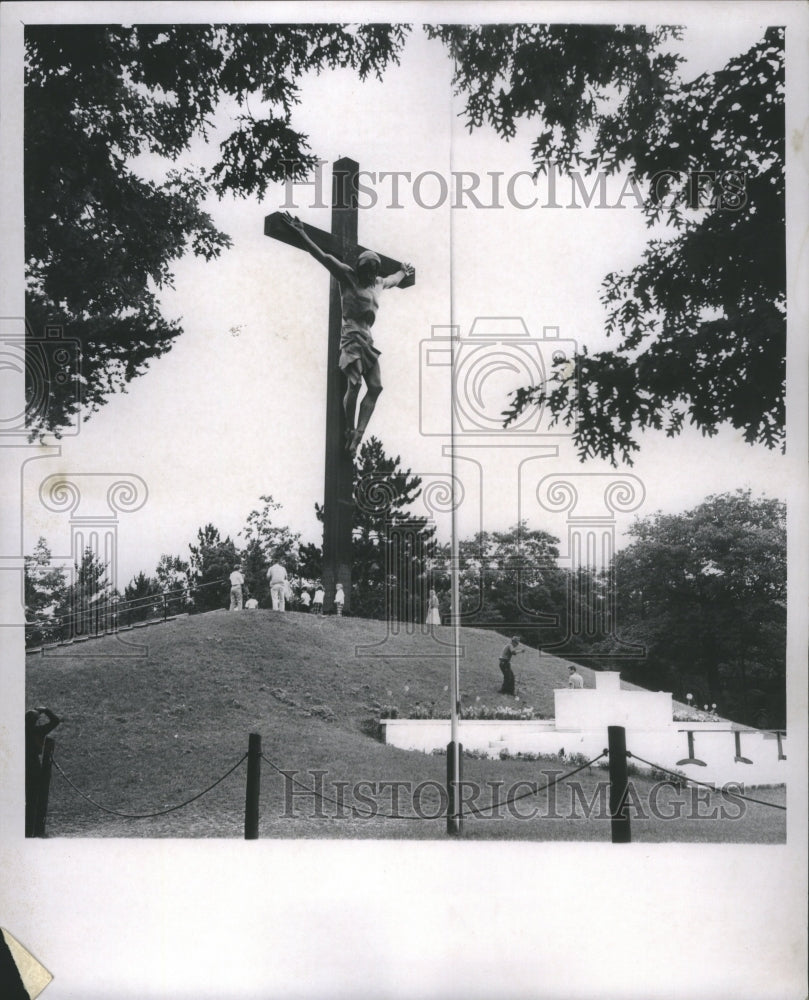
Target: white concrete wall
(608, 705)
(580, 727)
(713, 743)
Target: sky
(236, 409)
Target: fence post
(454, 815)
(43, 791)
(619, 815)
(253, 787)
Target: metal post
(253, 787)
(165, 608)
(43, 791)
(738, 758)
(691, 759)
(454, 778)
(616, 737)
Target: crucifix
(340, 243)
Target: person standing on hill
(575, 679)
(320, 597)
(236, 584)
(339, 600)
(510, 650)
(277, 575)
(433, 610)
(35, 733)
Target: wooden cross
(338, 488)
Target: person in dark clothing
(35, 733)
(509, 650)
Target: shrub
(284, 697)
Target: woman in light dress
(433, 613)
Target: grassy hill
(154, 716)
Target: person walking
(236, 585)
(277, 575)
(510, 650)
(575, 679)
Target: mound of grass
(147, 727)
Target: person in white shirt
(306, 599)
(320, 597)
(277, 576)
(339, 600)
(236, 584)
(575, 680)
(251, 604)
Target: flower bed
(471, 713)
(693, 715)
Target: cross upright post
(338, 489)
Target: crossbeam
(277, 229)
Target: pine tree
(391, 548)
(44, 591)
(211, 563)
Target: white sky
(237, 408)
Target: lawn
(143, 732)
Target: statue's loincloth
(357, 346)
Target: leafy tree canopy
(100, 239)
(705, 592)
(276, 542)
(701, 320)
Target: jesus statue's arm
(398, 277)
(342, 272)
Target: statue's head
(368, 266)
